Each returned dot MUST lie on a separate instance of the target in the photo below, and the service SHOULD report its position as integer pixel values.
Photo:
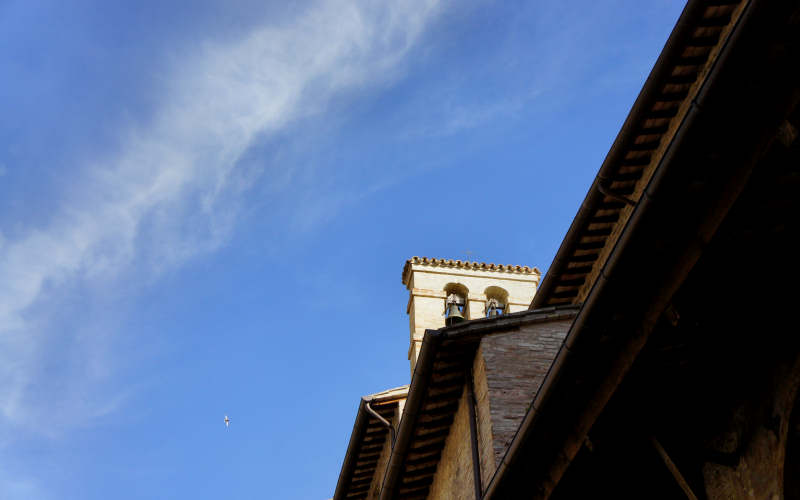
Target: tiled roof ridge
(466, 264)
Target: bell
(492, 308)
(453, 314)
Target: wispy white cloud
(172, 191)
(21, 489)
(455, 117)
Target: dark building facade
(676, 369)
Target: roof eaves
(583, 250)
(483, 326)
(348, 464)
(356, 437)
(571, 339)
(416, 392)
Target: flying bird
(227, 421)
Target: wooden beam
(673, 469)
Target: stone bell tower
(442, 290)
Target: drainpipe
(382, 420)
(473, 433)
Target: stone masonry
(507, 370)
(453, 477)
(428, 280)
(483, 414)
(516, 364)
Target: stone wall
(507, 371)
(516, 364)
(756, 438)
(453, 477)
(484, 418)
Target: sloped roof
(434, 394)
(664, 104)
(366, 442)
(624, 264)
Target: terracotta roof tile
(459, 264)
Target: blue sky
(205, 208)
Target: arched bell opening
(455, 303)
(496, 301)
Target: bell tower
(444, 292)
